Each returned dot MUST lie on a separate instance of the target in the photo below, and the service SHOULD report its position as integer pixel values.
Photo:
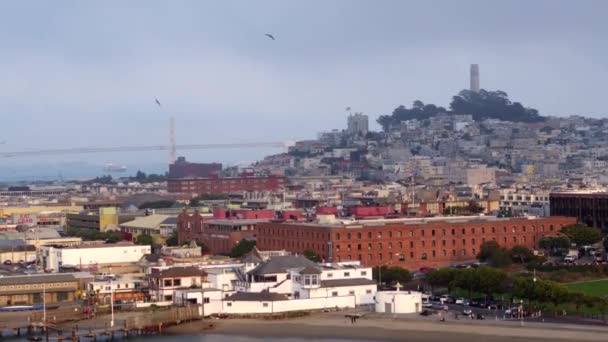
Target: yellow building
(7, 211)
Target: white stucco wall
(398, 301)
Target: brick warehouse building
(410, 243)
(588, 207)
(225, 185)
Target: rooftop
(233, 223)
(146, 222)
(347, 282)
(178, 272)
(256, 296)
(350, 223)
(36, 279)
(280, 264)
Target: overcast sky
(78, 74)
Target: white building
(124, 290)
(90, 256)
(358, 124)
(296, 277)
(398, 302)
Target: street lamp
(521, 311)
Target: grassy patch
(596, 288)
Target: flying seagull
(157, 102)
(270, 36)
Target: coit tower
(475, 78)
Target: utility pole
(111, 304)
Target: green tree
(311, 255)
(144, 239)
(441, 277)
(467, 279)
(554, 244)
(391, 274)
(241, 248)
(489, 279)
(172, 240)
(502, 258)
(521, 254)
(487, 250)
(581, 234)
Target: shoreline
(387, 330)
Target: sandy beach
(332, 326)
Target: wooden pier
(138, 325)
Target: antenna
(172, 149)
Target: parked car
(446, 299)
(467, 312)
(427, 305)
(8, 262)
(460, 301)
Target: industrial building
(225, 185)
(587, 207)
(407, 242)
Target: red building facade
(225, 185)
(409, 243)
(183, 169)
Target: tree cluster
(142, 177)
(391, 274)
(581, 234)
(483, 279)
(241, 248)
(497, 256)
(481, 105)
(195, 202)
(95, 235)
(159, 204)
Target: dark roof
(36, 279)
(347, 282)
(178, 272)
(310, 270)
(263, 296)
(152, 257)
(253, 257)
(170, 220)
(280, 264)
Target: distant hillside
(482, 105)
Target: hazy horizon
(86, 74)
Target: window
(422, 232)
(515, 239)
(368, 291)
(473, 252)
(464, 252)
(348, 247)
(513, 229)
(493, 230)
(359, 236)
(401, 257)
(167, 282)
(400, 245)
(443, 232)
(358, 246)
(390, 245)
(399, 234)
(504, 239)
(228, 304)
(412, 255)
(424, 256)
(472, 230)
(444, 253)
(363, 273)
(265, 305)
(62, 296)
(410, 233)
(338, 236)
(473, 242)
(177, 282)
(411, 244)
(542, 229)
(379, 256)
(380, 245)
(443, 243)
(433, 232)
(453, 243)
(483, 230)
(463, 231)
(453, 252)
(352, 293)
(551, 228)
(464, 242)
(453, 231)
(433, 243)
(504, 229)
(379, 235)
(433, 254)
(334, 294)
(369, 235)
(390, 234)
(422, 244)
(347, 274)
(523, 229)
(206, 300)
(348, 236)
(369, 257)
(330, 275)
(369, 245)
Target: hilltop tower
(475, 78)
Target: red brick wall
(380, 245)
(223, 185)
(190, 226)
(221, 242)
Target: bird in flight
(157, 102)
(270, 36)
